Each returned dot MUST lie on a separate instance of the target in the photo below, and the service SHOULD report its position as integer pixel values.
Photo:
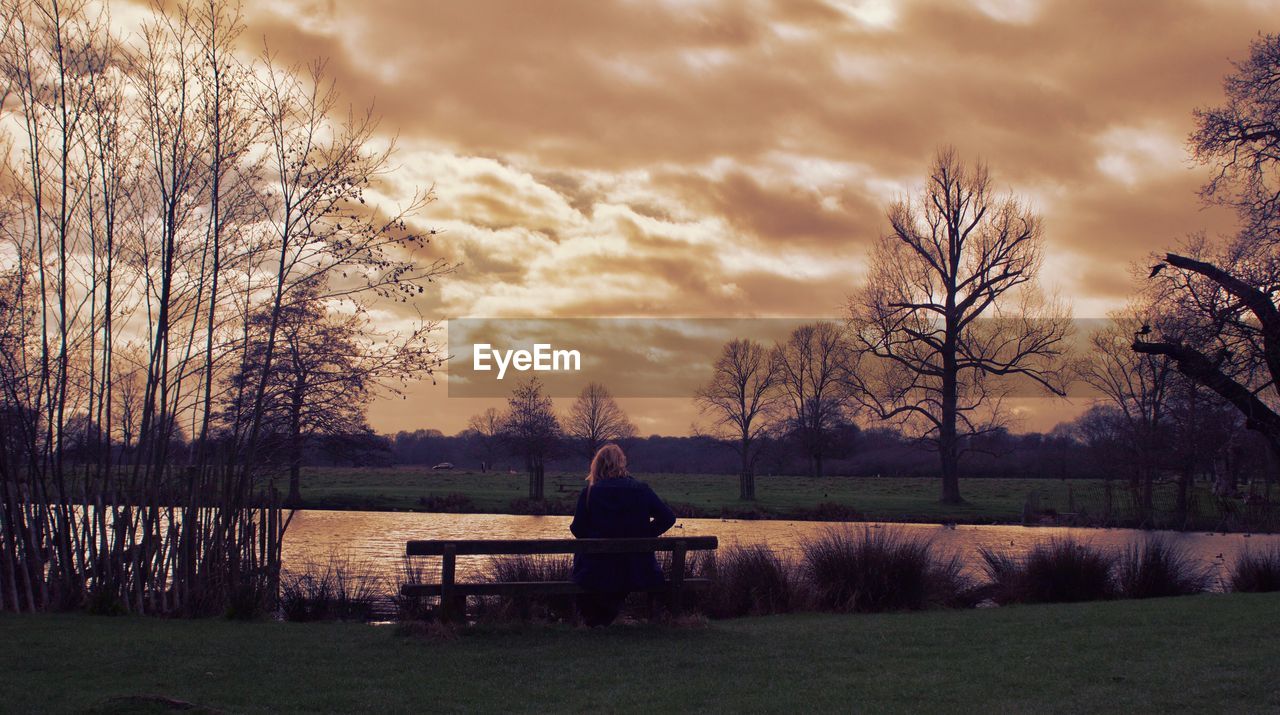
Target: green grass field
(895, 499)
(1192, 654)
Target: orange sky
(733, 158)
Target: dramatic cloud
(725, 158)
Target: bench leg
(453, 609)
(677, 578)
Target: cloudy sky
(708, 158)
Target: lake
(375, 540)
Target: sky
(717, 159)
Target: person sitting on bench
(614, 505)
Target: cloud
(734, 158)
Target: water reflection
(376, 540)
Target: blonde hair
(609, 463)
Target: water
(375, 541)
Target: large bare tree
(949, 304)
(741, 402)
(1228, 337)
(595, 418)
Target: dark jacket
(618, 508)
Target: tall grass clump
(528, 607)
(1157, 568)
(749, 581)
(335, 590)
(1055, 571)
(1257, 571)
(868, 570)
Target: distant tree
(1103, 433)
(595, 418)
(955, 254)
(811, 377)
(531, 431)
(741, 401)
(325, 372)
(358, 450)
(1138, 386)
(484, 431)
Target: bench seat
(453, 595)
(519, 588)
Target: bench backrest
(472, 547)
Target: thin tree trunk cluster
(162, 192)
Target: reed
(1058, 570)
(336, 590)
(879, 569)
(1256, 571)
(1157, 568)
(750, 581)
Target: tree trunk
(948, 443)
(1183, 503)
(536, 472)
(1146, 505)
(295, 452)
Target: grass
(1192, 654)
(873, 498)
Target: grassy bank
(881, 499)
(1193, 654)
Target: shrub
(1157, 568)
(879, 569)
(528, 607)
(336, 590)
(1257, 571)
(1058, 570)
(749, 581)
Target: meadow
(910, 499)
(1189, 654)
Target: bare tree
(327, 372)
(811, 375)
(163, 196)
(595, 418)
(1228, 335)
(486, 435)
(741, 401)
(1138, 387)
(955, 254)
(531, 431)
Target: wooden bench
(453, 594)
